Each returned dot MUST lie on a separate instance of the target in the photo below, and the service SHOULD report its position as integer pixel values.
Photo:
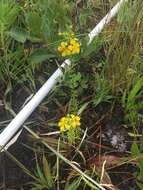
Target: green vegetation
(95, 110)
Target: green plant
(132, 103)
(76, 83)
(111, 64)
(44, 19)
(70, 125)
(73, 185)
(123, 47)
(44, 176)
(135, 152)
(24, 24)
(102, 90)
(9, 11)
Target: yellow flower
(64, 44)
(69, 122)
(66, 52)
(70, 47)
(62, 123)
(76, 121)
(60, 49)
(73, 41)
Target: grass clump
(124, 48)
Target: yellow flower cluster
(70, 47)
(69, 122)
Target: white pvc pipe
(105, 20)
(17, 122)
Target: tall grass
(9, 11)
(124, 47)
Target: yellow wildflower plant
(69, 122)
(69, 47)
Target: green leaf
(9, 10)
(40, 56)
(123, 99)
(83, 107)
(135, 150)
(135, 90)
(135, 153)
(34, 23)
(74, 185)
(40, 174)
(141, 168)
(19, 34)
(140, 186)
(47, 172)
